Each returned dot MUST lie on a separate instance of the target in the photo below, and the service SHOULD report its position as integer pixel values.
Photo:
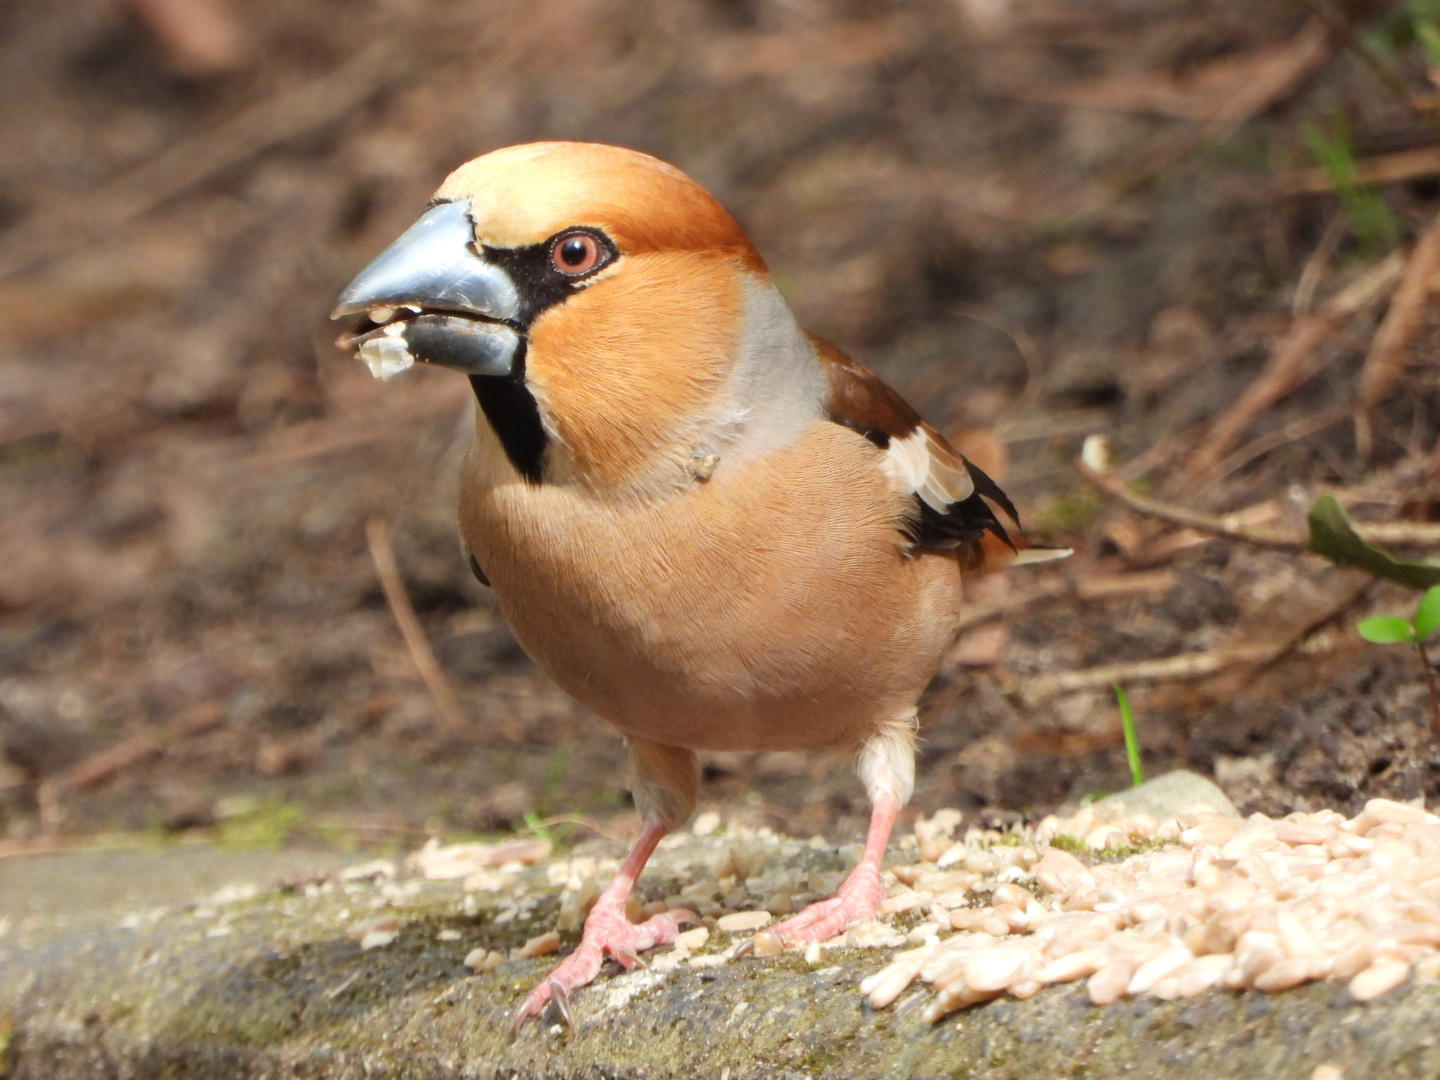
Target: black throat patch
(514, 415)
(508, 405)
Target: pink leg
(607, 930)
(857, 897)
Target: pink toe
(607, 932)
(856, 901)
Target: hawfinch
(711, 528)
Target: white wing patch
(920, 465)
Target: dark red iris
(575, 253)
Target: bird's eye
(575, 253)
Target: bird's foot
(607, 931)
(855, 901)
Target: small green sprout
(1395, 630)
(1132, 744)
(1375, 226)
(534, 824)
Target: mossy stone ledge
(275, 985)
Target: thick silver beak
(434, 300)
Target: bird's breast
(771, 607)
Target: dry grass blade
(1279, 72)
(1319, 259)
(1089, 588)
(1385, 362)
(102, 766)
(1380, 169)
(1276, 75)
(1242, 651)
(1169, 669)
(1294, 360)
(1339, 25)
(1219, 93)
(1236, 526)
(98, 768)
(1264, 444)
(188, 163)
(399, 600)
(1419, 533)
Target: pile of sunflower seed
(1167, 908)
(1130, 904)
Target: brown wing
(957, 507)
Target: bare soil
(1036, 220)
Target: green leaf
(1332, 536)
(1427, 614)
(1386, 629)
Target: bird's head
(599, 299)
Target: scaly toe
(607, 933)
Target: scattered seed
(1061, 873)
(1109, 982)
(1283, 974)
(693, 939)
(767, 944)
(1379, 978)
(1158, 967)
(544, 945)
(739, 921)
(483, 960)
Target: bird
(714, 530)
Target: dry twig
(1380, 169)
(1240, 651)
(1280, 71)
(425, 663)
(1094, 588)
(1385, 362)
(1272, 440)
(1229, 527)
(1171, 668)
(96, 769)
(1340, 27)
(1294, 360)
(1238, 525)
(1419, 533)
(1315, 265)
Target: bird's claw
(607, 933)
(629, 959)
(551, 991)
(561, 998)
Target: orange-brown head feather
(525, 194)
(630, 370)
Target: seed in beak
(386, 356)
(381, 315)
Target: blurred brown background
(1036, 218)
